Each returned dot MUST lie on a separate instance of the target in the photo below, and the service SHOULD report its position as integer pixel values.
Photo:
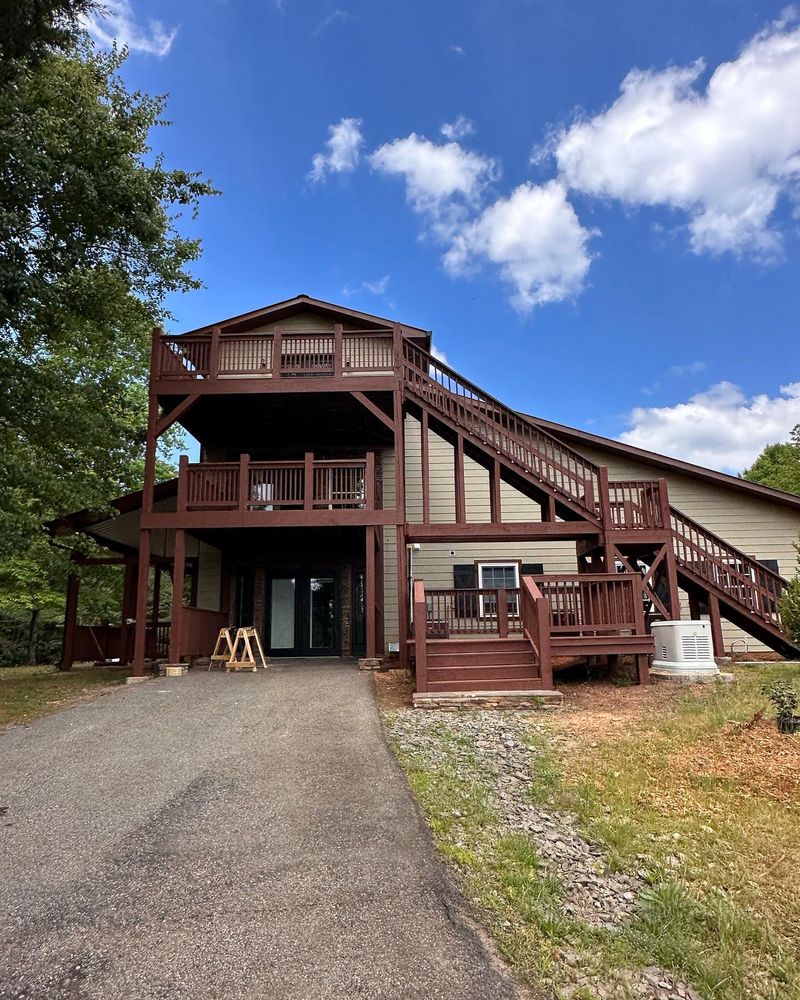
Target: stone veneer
(523, 701)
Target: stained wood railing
(472, 611)
(311, 484)
(636, 504)
(590, 604)
(199, 630)
(745, 580)
(501, 429)
(275, 355)
(535, 621)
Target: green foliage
(789, 606)
(30, 28)
(90, 245)
(784, 698)
(778, 465)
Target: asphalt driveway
(225, 836)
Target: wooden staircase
(707, 565)
(478, 664)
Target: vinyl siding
(759, 527)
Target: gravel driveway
(225, 836)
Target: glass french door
(303, 616)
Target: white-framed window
(498, 575)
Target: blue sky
(623, 262)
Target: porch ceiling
(289, 421)
(289, 547)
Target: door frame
(302, 613)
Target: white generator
(684, 650)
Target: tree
(30, 28)
(90, 245)
(790, 603)
(778, 465)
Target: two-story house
(356, 496)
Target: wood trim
(168, 419)
(460, 486)
(425, 467)
(483, 531)
(375, 410)
(255, 386)
(495, 501)
(195, 520)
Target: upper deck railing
(200, 357)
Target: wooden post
(642, 659)
(605, 498)
(369, 482)
(244, 481)
(716, 625)
(338, 356)
(128, 609)
(425, 462)
(140, 633)
(549, 509)
(420, 636)
(308, 485)
(502, 613)
(694, 607)
(213, 355)
(183, 482)
(277, 349)
(402, 595)
(399, 452)
(458, 472)
(155, 611)
(495, 503)
(369, 590)
(70, 621)
(545, 650)
(178, 574)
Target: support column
(140, 634)
(178, 574)
(495, 505)
(426, 468)
(128, 610)
(369, 591)
(716, 625)
(694, 607)
(70, 622)
(402, 595)
(458, 475)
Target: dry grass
(27, 693)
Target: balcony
(280, 356)
(300, 493)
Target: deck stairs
(482, 664)
(747, 591)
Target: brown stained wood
(399, 451)
(425, 467)
(140, 633)
(402, 593)
(175, 414)
(128, 607)
(308, 480)
(420, 636)
(374, 409)
(495, 500)
(484, 531)
(458, 476)
(178, 574)
(716, 625)
(70, 622)
(370, 591)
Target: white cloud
(339, 14)
(536, 240)
(116, 22)
(434, 175)
(690, 368)
(373, 287)
(457, 129)
(458, 49)
(724, 154)
(439, 355)
(343, 150)
(720, 428)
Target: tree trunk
(33, 629)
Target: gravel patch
(496, 749)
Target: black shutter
(770, 564)
(465, 577)
(531, 569)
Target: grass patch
(28, 693)
(693, 790)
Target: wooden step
(483, 672)
(464, 645)
(496, 684)
(518, 656)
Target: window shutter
(531, 569)
(465, 577)
(770, 564)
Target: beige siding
(760, 527)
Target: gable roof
(574, 436)
(305, 303)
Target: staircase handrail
(547, 458)
(770, 589)
(535, 615)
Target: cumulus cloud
(116, 22)
(377, 287)
(439, 355)
(720, 428)
(723, 154)
(342, 150)
(458, 129)
(536, 240)
(436, 176)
